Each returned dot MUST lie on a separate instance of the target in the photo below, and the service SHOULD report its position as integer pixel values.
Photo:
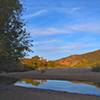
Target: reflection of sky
(63, 27)
(64, 86)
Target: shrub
(96, 68)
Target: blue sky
(61, 28)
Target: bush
(96, 68)
(14, 67)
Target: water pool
(60, 85)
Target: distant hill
(78, 61)
(83, 60)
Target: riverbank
(19, 93)
(58, 74)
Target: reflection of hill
(84, 60)
(90, 83)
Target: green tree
(14, 40)
(52, 64)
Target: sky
(60, 28)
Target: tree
(96, 67)
(38, 62)
(52, 64)
(35, 62)
(14, 40)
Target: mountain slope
(84, 60)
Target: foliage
(13, 36)
(31, 81)
(96, 68)
(35, 62)
(53, 64)
(39, 63)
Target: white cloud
(65, 10)
(85, 27)
(48, 31)
(62, 48)
(38, 13)
(74, 9)
(77, 45)
(68, 29)
(47, 42)
(56, 52)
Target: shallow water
(59, 85)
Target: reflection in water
(96, 84)
(33, 82)
(59, 85)
(90, 83)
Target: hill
(83, 60)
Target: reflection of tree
(97, 84)
(33, 82)
(7, 80)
